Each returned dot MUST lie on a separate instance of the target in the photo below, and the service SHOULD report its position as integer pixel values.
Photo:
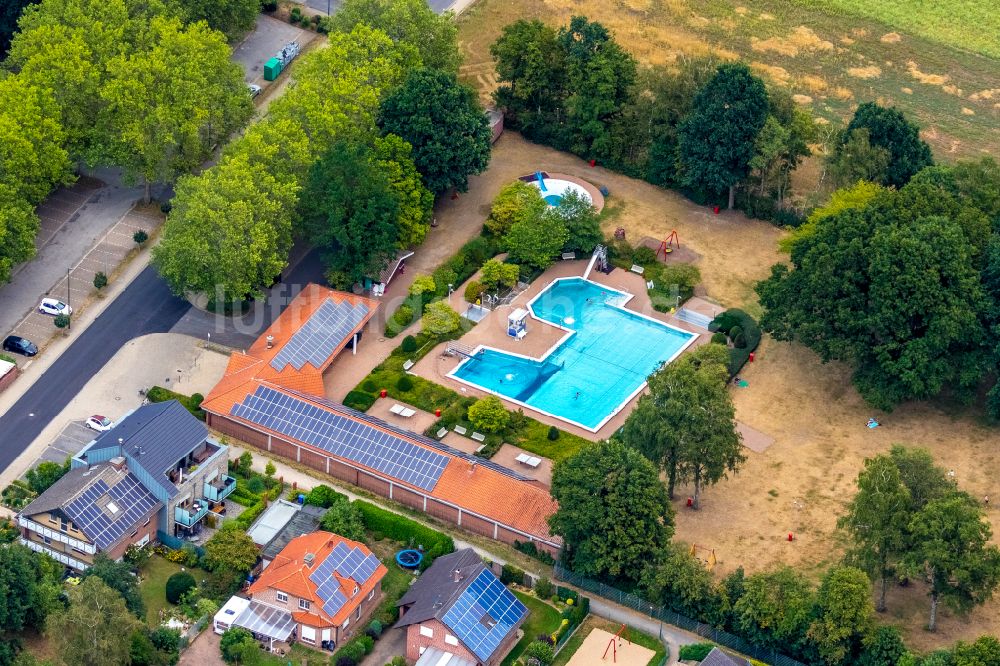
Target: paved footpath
(672, 637)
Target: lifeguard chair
(517, 324)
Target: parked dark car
(19, 345)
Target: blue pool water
(552, 199)
(590, 374)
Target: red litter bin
(437, 413)
(715, 209)
(751, 357)
(593, 163)
(690, 501)
(382, 393)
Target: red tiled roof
(246, 371)
(289, 573)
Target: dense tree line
(904, 285)
(706, 127)
(348, 159)
(145, 86)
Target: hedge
(192, 403)
(696, 651)
(360, 400)
(511, 574)
(731, 319)
(400, 528)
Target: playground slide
(541, 181)
(590, 266)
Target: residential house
(272, 397)
(329, 586)
(305, 521)
(103, 508)
(172, 455)
(458, 607)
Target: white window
(303, 604)
(422, 648)
(371, 595)
(308, 634)
(357, 616)
(346, 623)
(326, 635)
(450, 640)
(281, 596)
(147, 522)
(426, 631)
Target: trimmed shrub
(643, 255)
(440, 319)
(369, 385)
(695, 651)
(404, 383)
(360, 400)
(374, 629)
(409, 344)
(324, 496)
(738, 324)
(424, 287)
(400, 319)
(553, 433)
(720, 338)
(473, 291)
(178, 585)
(510, 574)
(489, 415)
(192, 403)
(367, 643)
(529, 548)
(543, 588)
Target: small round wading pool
(409, 558)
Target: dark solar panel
(93, 514)
(326, 329)
(484, 615)
(348, 562)
(343, 437)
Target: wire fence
(668, 616)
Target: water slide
(600, 252)
(541, 181)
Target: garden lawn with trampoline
(594, 370)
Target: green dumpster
(271, 69)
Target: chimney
(457, 575)
(472, 467)
(309, 559)
(270, 341)
(118, 463)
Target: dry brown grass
(966, 111)
(801, 39)
(891, 38)
(813, 83)
(777, 74)
(869, 72)
(802, 99)
(985, 94)
(929, 79)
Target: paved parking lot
(267, 38)
(63, 206)
(76, 287)
(67, 443)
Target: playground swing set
(668, 244)
(613, 644)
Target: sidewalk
(671, 636)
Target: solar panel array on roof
(104, 513)
(325, 330)
(343, 437)
(484, 615)
(348, 562)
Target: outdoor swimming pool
(588, 376)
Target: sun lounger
(479, 437)
(568, 256)
(442, 432)
(407, 365)
(460, 430)
(480, 448)
(636, 268)
(407, 413)
(397, 409)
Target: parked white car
(54, 307)
(99, 423)
(254, 89)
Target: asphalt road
(145, 306)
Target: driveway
(392, 644)
(267, 38)
(204, 651)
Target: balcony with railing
(219, 488)
(189, 513)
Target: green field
(966, 24)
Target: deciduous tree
(613, 512)
(29, 588)
(877, 520)
(856, 158)
(888, 128)
(496, 275)
(95, 629)
(681, 582)
(950, 546)
(716, 141)
(118, 576)
(443, 121)
(32, 158)
(394, 158)
(344, 519)
(536, 240)
(18, 226)
(843, 615)
(410, 22)
(775, 609)
(488, 414)
(514, 202)
(231, 17)
(440, 319)
(583, 224)
(231, 550)
(349, 211)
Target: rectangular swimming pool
(589, 375)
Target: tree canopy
(118, 576)
(613, 515)
(95, 629)
(716, 142)
(443, 121)
(516, 201)
(775, 609)
(233, 18)
(536, 239)
(349, 210)
(29, 588)
(394, 158)
(889, 130)
(231, 550)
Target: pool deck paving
(492, 332)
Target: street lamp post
(69, 294)
(449, 293)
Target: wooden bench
(568, 256)
(479, 437)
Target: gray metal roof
(436, 589)
(719, 658)
(156, 436)
(305, 521)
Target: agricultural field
(944, 74)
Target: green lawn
(299, 655)
(154, 585)
(543, 619)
